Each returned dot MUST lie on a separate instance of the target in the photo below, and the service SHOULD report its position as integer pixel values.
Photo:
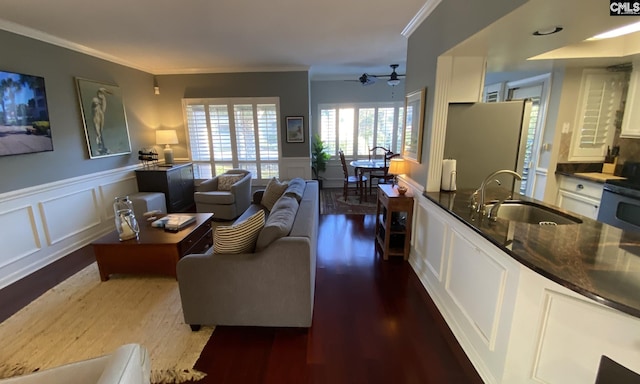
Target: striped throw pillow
(239, 238)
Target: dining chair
(378, 173)
(358, 180)
(382, 175)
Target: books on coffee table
(174, 221)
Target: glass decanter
(126, 223)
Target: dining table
(363, 166)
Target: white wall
(45, 223)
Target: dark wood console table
(176, 182)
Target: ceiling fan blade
(367, 79)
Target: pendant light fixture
(393, 78)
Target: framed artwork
(414, 107)
(295, 129)
(103, 116)
(24, 115)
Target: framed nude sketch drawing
(103, 116)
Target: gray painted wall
(291, 87)
(451, 22)
(145, 111)
(59, 67)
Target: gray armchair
(226, 202)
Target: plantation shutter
(600, 96)
(233, 133)
(357, 128)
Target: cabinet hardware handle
(580, 186)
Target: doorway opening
(535, 89)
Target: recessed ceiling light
(627, 29)
(547, 31)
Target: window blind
(233, 133)
(357, 128)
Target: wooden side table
(394, 215)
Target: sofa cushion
(279, 222)
(240, 237)
(272, 193)
(226, 181)
(296, 188)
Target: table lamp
(397, 167)
(167, 137)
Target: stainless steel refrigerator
(486, 137)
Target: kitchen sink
(532, 213)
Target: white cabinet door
(580, 204)
(579, 196)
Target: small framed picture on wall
(295, 129)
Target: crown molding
(421, 16)
(194, 71)
(44, 37)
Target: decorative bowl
(402, 190)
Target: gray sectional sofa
(272, 287)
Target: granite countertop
(597, 260)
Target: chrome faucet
(479, 206)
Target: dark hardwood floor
(373, 322)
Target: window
(596, 118)
(357, 128)
(233, 133)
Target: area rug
(332, 202)
(83, 317)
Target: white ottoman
(147, 201)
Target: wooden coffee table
(156, 251)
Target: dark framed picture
(24, 115)
(295, 129)
(104, 119)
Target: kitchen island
(530, 303)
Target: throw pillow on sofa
(296, 188)
(279, 222)
(240, 237)
(226, 181)
(272, 193)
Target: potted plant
(319, 158)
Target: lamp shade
(397, 167)
(167, 136)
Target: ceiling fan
(394, 78)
